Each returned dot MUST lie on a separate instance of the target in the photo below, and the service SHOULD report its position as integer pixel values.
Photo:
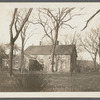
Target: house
(17, 62)
(30, 63)
(65, 57)
(16, 49)
(86, 65)
(5, 62)
(3, 59)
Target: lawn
(82, 82)
(56, 82)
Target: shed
(65, 57)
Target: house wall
(73, 62)
(46, 60)
(62, 62)
(4, 62)
(17, 62)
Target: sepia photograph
(49, 47)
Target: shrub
(32, 82)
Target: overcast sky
(6, 10)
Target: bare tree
(24, 37)
(14, 25)
(91, 43)
(46, 27)
(87, 22)
(16, 48)
(52, 21)
(73, 40)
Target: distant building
(65, 59)
(5, 63)
(2, 57)
(17, 62)
(86, 65)
(30, 63)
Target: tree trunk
(53, 54)
(94, 60)
(54, 47)
(11, 56)
(57, 61)
(22, 57)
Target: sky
(87, 9)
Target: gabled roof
(46, 50)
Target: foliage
(32, 82)
(18, 29)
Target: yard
(82, 82)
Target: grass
(57, 82)
(7, 83)
(87, 82)
(32, 83)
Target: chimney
(57, 42)
(40, 42)
(32, 44)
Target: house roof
(47, 49)
(18, 57)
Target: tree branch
(11, 25)
(67, 12)
(90, 19)
(70, 26)
(24, 21)
(51, 14)
(28, 38)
